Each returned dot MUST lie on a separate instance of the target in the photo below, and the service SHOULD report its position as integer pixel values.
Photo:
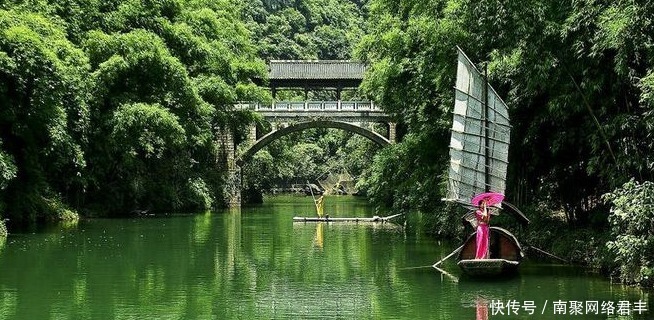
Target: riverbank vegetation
(108, 107)
(578, 80)
(111, 106)
(114, 108)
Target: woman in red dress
(483, 230)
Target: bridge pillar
(392, 132)
(232, 188)
(252, 133)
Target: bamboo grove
(578, 78)
(106, 106)
(112, 106)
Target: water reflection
(481, 305)
(319, 238)
(256, 263)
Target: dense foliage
(305, 30)
(631, 227)
(113, 106)
(44, 114)
(126, 98)
(577, 77)
(310, 155)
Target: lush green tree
(333, 43)
(304, 29)
(43, 116)
(148, 143)
(160, 78)
(160, 129)
(574, 138)
(399, 177)
(7, 169)
(591, 118)
(409, 47)
(190, 59)
(631, 225)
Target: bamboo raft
(329, 219)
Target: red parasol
(492, 198)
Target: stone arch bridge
(286, 117)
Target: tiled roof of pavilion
(316, 69)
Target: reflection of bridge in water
(286, 117)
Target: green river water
(255, 263)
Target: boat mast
(486, 131)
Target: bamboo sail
(479, 147)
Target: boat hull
(488, 267)
(505, 254)
(327, 219)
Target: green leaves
(146, 131)
(647, 88)
(408, 174)
(572, 74)
(165, 88)
(8, 168)
(304, 29)
(122, 98)
(43, 113)
(136, 66)
(631, 225)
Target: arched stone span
(273, 135)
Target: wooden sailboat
(505, 254)
(479, 150)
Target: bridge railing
(310, 106)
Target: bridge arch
(274, 135)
